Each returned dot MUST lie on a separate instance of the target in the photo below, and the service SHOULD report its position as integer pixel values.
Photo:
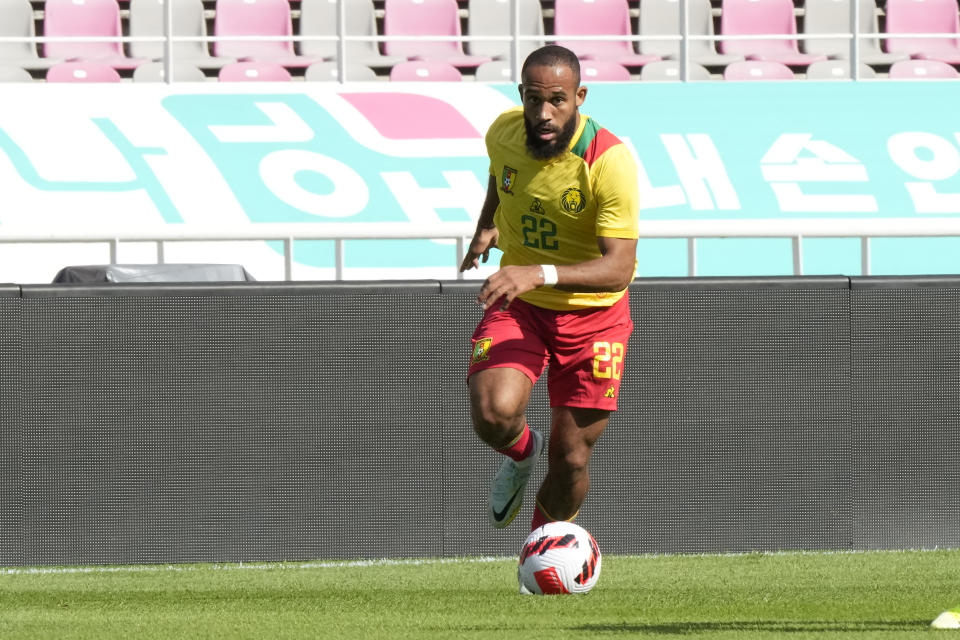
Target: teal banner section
(728, 155)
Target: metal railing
(460, 232)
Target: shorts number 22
(607, 360)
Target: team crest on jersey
(508, 179)
(572, 201)
(481, 350)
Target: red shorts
(584, 348)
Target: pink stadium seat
(924, 16)
(87, 18)
(254, 71)
(763, 17)
(598, 18)
(84, 71)
(922, 70)
(747, 70)
(425, 71)
(421, 19)
(257, 18)
(603, 71)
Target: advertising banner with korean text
(216, 155)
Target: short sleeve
(614, 178)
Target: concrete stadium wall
(241, 422)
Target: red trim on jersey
(600, 143)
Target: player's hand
(508, 283)
(483, 241)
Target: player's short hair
(553, 55)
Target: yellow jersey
(552, 211)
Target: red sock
(539, 517)
(521, 447)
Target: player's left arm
(611, 272)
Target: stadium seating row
(426, 71)
(423, 39)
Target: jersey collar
(576, 136)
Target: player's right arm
(486, 235)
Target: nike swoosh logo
(500, 515)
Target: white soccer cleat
(947, 620)
(506, 492)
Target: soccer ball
(559, 557)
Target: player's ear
(581, 94)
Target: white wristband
(549, 274)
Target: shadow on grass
(767, 626)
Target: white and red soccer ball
(559, 557)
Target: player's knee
(495, 405)
(571, 460)
(493, 412)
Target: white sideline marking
(392, 562)
(380, 562)
(797, 552)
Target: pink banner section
(406, 116)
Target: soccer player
(562, 205)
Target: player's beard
(544, 150)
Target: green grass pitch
(888, 595)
